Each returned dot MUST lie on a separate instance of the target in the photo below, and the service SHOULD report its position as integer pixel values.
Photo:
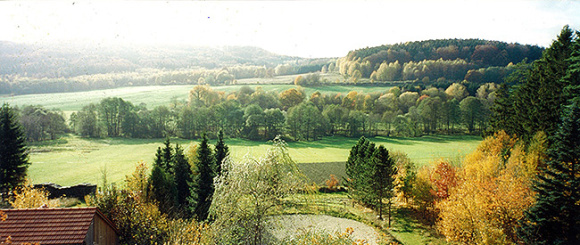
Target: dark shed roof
(49, 225)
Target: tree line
(436, 62)
(257, 114)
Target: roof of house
(48, 225)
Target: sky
(309, 29)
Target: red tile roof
(48, 225)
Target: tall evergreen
(221, 152)
(384, 171)
(13, 153)
(555, 217)
(183, 182)
(204, 181)
(167, 156)
(356, 169)
(162, 180)
(538, 101)
(572, 78)
(162, 188)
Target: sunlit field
(72, 160)
(154, 96)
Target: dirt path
(292, 224)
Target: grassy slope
(73, 160)
(154, 96)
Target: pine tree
(162, 180)
(357, 170)
(221, 152)
(384, 171)
(502, 112)
(162, 189)
(183, 182)
(204, 180)
(13, 153)
(538, 101)
(572, 78)
(555, 217)
(167, 157)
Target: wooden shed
(85, 226)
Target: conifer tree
(13, 155)
(384, 171)
(162, 181)
(221, 152)
(167, 156)
(555, 217)
(357, 170)
(183, 182)
(162, 188)
(572, 78)
(538, 101)
(204, 181)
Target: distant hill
(481, 52)
(71, 67)
(444, 60)
(74, 59)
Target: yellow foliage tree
(493, 193)
(29, 197)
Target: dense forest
(438, 62)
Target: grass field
(154, 96)
(72, 160)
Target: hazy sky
(300, 28)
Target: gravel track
(288, 225)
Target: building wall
(100, 233)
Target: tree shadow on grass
(405, 220)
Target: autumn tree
(457, 91)
(291, 97)
(250, 192)
(492, 191)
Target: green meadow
(72, 160)
(154, 96)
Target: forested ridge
(437, 62)
(50, 68)
(29, 69)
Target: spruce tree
(162, 189)
(538, 101)
(555, 217)
(221, 152)
(167, 156)
(357, 169)
(183, 182)
(572, 78)
(384, 172)
(162, 180)
(13, 153)
(204, 180)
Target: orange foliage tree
(491, 195)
